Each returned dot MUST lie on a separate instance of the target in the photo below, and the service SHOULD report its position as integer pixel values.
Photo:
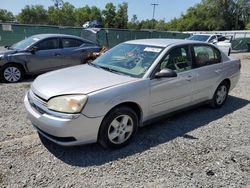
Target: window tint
(221, 38)
(177, 59)
(206, 55)
(70, 43)
(48, 44)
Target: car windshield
(128, 59)
(24, 43)
(199, 37)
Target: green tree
(214, 15)
(82, 15)
(248, 26)
(34, 14)
(6, 16)
(109, 15)
(63, 16)
(95, 14)
(160, 25)
(121, 18)
(148, 24)
(134, 23)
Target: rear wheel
(220, 95)
(11, 73)
(118, 127)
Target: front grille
(37, 103)
(37, 99)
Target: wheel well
(134, 106)
(228, 82)
(17, 64)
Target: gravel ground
(198, 148)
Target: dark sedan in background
(42, 53)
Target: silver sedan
(130, 85)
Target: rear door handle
(189, 78)
(57, 54)
(218, 71)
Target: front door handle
(189, 78)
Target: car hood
(7, 52)
(81, 79)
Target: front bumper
(66, 132)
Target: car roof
(162, 42)
(204, 34)
(42, 36)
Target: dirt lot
(198, 148)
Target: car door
(71, 52)
(169, 94)
(46, 56)
(208, 71)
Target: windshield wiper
(94, 65)
(105, 68)
(111, 70)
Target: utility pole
(154, 4)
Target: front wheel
(11, 73)
(118, 127)
(220, 95)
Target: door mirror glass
(214, 41)
(33, 49)
(166, 73)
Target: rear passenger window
(70, 43)
(177, 59)
(206, 55)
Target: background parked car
(42, 53)
(222, 42)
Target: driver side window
(178, 59)
(48, 44)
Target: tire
(11, 73)
(118, 128)
(220, 95)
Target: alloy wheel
(12, 74)
(120, 129)
(221, 94)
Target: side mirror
(214, 41)
(33, 49)
(165, 73)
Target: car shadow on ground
(149, 136)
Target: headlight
(68, 103)
(1, 56)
